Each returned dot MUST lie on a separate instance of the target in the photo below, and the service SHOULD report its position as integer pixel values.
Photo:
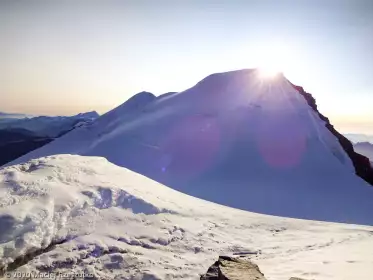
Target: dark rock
(361, 163)
(212, 273)
(227, 268)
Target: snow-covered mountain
(44, 126)
(66, 216)
(236, 139)
(365, 148)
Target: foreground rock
(228, 268)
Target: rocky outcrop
(228, 268)
(361, 163)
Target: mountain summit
(237, 139)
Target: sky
(70, 56)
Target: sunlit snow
(116, 224)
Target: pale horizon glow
(67, 57)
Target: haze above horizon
(66, 57)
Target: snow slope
(48, 126)
(235, 139)
(86, 215)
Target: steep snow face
(75, 215)
(361, 163)
(49, 126)
(235, 139)
(365, 148)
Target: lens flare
(268, 72)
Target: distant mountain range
(365, 148)
(12, 116)
(355, 137)
(20, 135)
(44, 126)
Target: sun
(271, 60)
(268, 72)
(270, 66)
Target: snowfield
(88, 215)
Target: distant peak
(365, 143)
(144, 93)
(91, 114)
(141, 97)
